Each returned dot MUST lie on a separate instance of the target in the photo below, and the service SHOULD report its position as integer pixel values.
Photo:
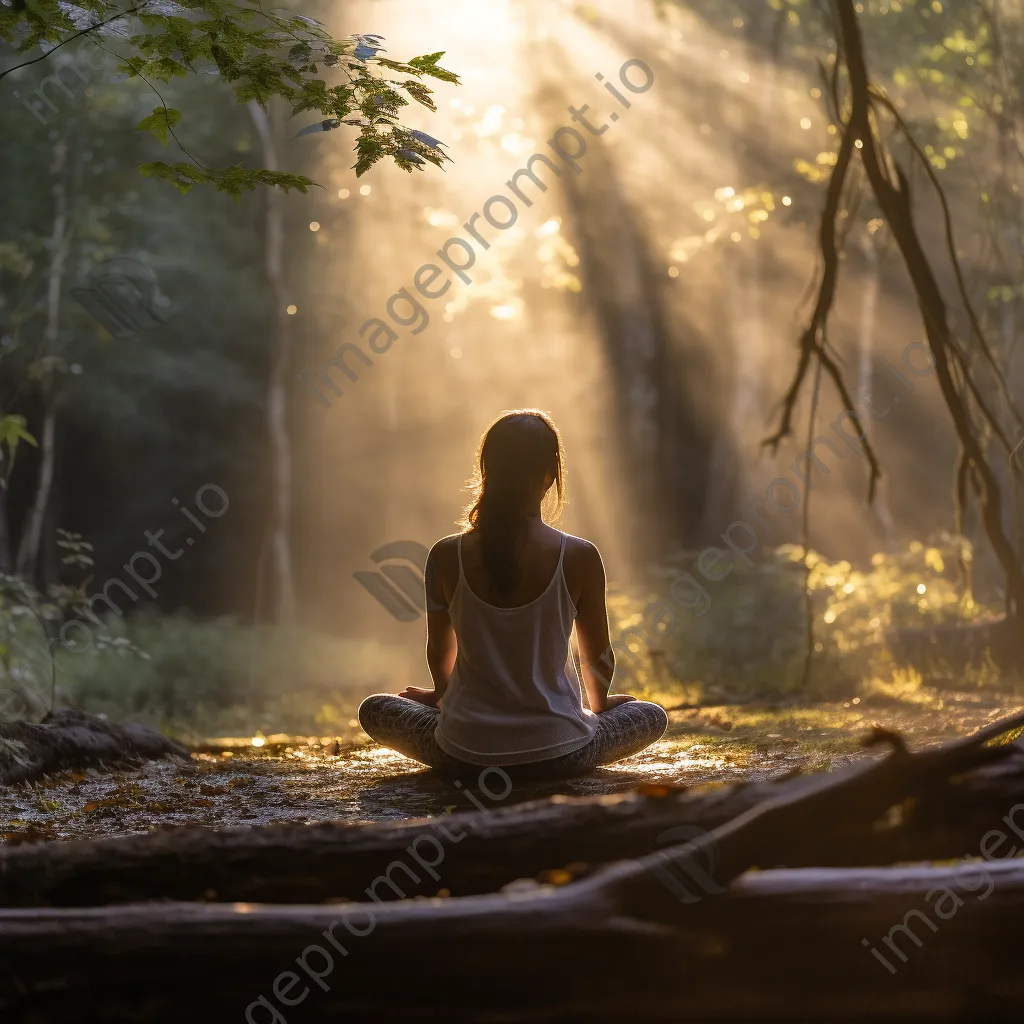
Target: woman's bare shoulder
(583, 555)
(444, 554)
(449, 543)
(442, 568)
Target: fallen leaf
(658, 789)
(556, 876)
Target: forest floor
(304, 780)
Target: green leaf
(159, 123)
(12, 430)
(427, 65)
(182, 176)
(14, 259)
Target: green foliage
(753, 637)
(263, 56)
(222, 677)
(28, 669)
(13, 428)
(232, 180)
(159, 123)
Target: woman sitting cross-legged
(502, 598)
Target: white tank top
(513, 697)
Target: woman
(502, 598)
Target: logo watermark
(688, 870)
(123, 296)
(398, 586)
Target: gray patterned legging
(408, 727)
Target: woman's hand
(421, 696)
(613, 700)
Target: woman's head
(520, 470)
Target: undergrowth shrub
(752, 639)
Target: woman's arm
(442, 646)
(596, 654)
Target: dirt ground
(229, 781)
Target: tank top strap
(462, 572)
(561, 552)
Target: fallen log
(72, 739)
(531, 954)
(480, 852)
(777, 945)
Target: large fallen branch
(480, 852)
(657, 937)
(779, 945)
(68, 739)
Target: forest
(266, 278)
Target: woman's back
(537, 564)
(513, 697)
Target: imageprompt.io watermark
(459, 254)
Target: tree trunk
(894, 198)
(28, 552)
(5, 528)
(283, 583)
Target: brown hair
(516, 453)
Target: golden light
(314, 225)
(805, 123)
(259, 741)
(507, 310)
(490, 124)
(549, 227)
(291, 310)
(673, 271)
(921, 588)
(343, 193)
(786, 201)
(365, 190)
(440, 218)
